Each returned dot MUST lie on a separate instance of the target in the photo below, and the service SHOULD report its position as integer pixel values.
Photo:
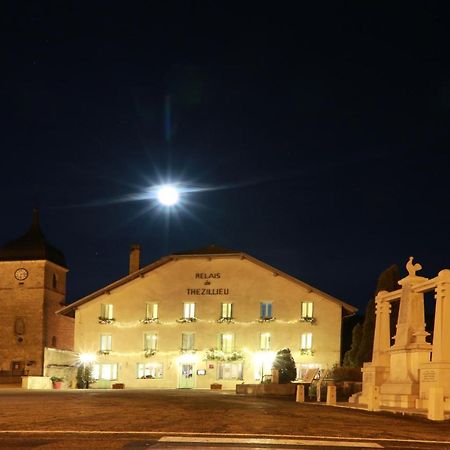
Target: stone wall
(61, 363)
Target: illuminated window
(150, 341)
(104, 371)
(105, 343)
(187, 341)
(189, 311)
(227, 311)
(306, 341)
(266, 310)
(151, 311)
(230, 371)
(106, 311)
(149, 370)
(307, 310)
(226, 343)
(265, 341)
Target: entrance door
(187, 380)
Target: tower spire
(35, 221)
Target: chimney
(135, 258)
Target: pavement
(103, 419)
(363, 407)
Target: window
(19, 326)
(230, 371)
(104, 372)
(149, 370)
(105, 343)
(266, 311)
(307, 310)
(54, 281)
(106, 312)
(150, 342)
(227, 311)
(306, 342)
(151, 311)
(189, 311)
(263, 369)
(265, 341)
(226, 342)
(187, 341)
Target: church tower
(32, 289)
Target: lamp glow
(168, 195)
(87, 358)
(265, 358)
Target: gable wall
(244, 283)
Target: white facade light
(87, 358)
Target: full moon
(168, 195)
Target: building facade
(209, 316)
(32, 289)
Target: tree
(351, 357)
(362, 340)
(285, 364)
(84, 376)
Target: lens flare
(168, 195)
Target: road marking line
(256, 441)
(244, 435)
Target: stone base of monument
(436, 404)
(373, 376)
(398, 401)
(400, 394)
(434, 375)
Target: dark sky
(312, 135)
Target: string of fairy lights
(139, 323)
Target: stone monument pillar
(376, 372)
(410, 349)
(435, 375)
(382, 335)
(441, 338)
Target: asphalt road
(180, 419)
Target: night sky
(311, 135)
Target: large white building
(208, 316)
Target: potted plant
(57, 382)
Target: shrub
(346, 374)
(285, 364)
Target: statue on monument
(412, 268)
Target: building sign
(207, 278)
(208, 291)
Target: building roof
(32, 246)
(210, 250)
